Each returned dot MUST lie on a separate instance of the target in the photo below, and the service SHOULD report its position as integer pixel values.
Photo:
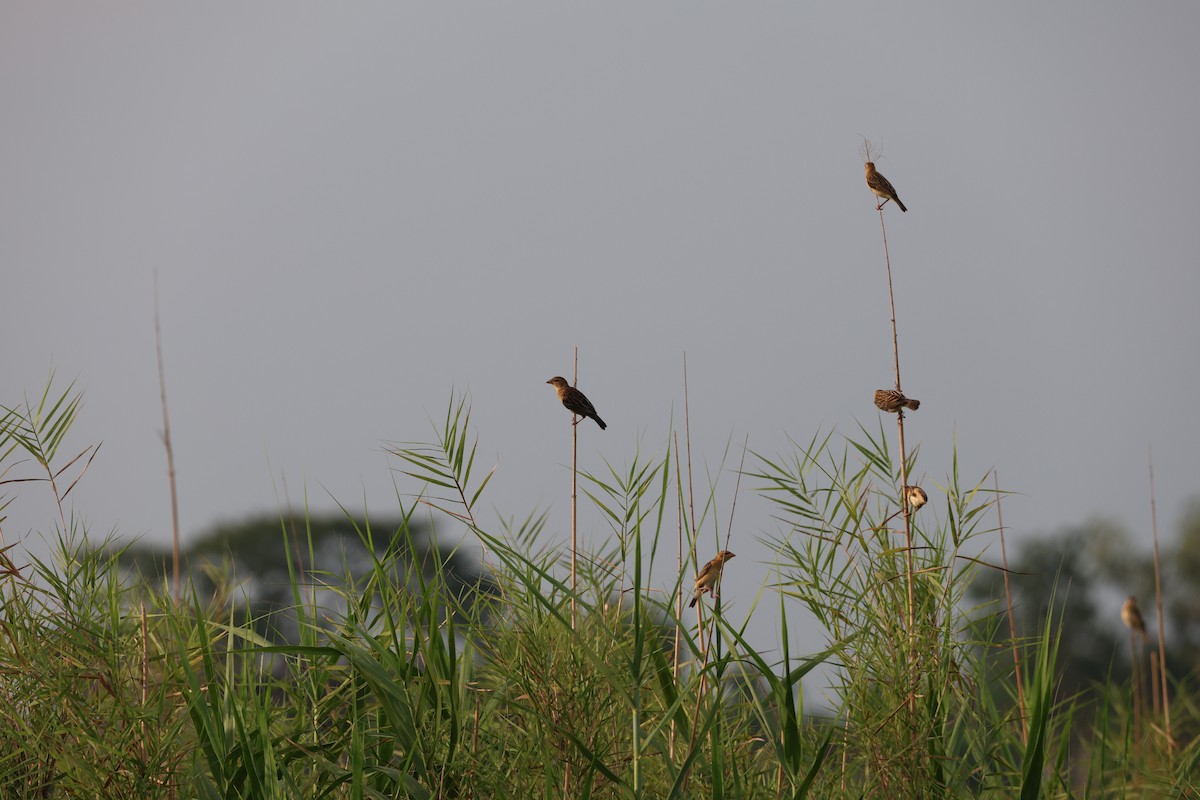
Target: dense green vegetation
(394, 669)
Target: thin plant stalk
(475, 741)
(1136, 679)
(908, 545)
(737, 485)
(1154, 693)
(166, 440)
(145, 687)
(680, 563)
(706, 651)
(574, 482)
(720, 577)
(1158, 599)
(900, 427)
(687, 438)
(845, 753)
(1012, 617)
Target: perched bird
(893, 401)
(575, 401)
(710, 573)
(1132, 618)
(881, 187)
(915, 496)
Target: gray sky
(354, 209)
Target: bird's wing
(883, 184)
(580, 400)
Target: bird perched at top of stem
(710, 573)
(915, 496)
(881, 187)
(575, 401)
(893, 401)
(1132, 618)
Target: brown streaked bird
(915, 496)
(710, 573)
(575, 401)
(881, 187)
(1132, 617)
(893, 401)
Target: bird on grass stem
(881, 187)
(892, 401)
(915, 496)
(575, 401)
(710, 573)
(1132, 617)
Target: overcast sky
(355, 208)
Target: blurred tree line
(252, 568)
(1087, 571)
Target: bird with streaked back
(575, 401)
(709, 575)
(892, 401)
(881, 187)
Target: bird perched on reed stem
(1132, 617)
(881, 187)
(893, 401)
(710, 573)
(575, 401)
(915, 496)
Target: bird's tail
(600, 422)
(693, 603)
(902, 208)
(911, 404)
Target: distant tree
(248, 566)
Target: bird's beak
(550, 381)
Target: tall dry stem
(1158, 600)
(166, 440)
(900, 432)
(574, 485)
(1012, 617)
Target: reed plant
(400, 683)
